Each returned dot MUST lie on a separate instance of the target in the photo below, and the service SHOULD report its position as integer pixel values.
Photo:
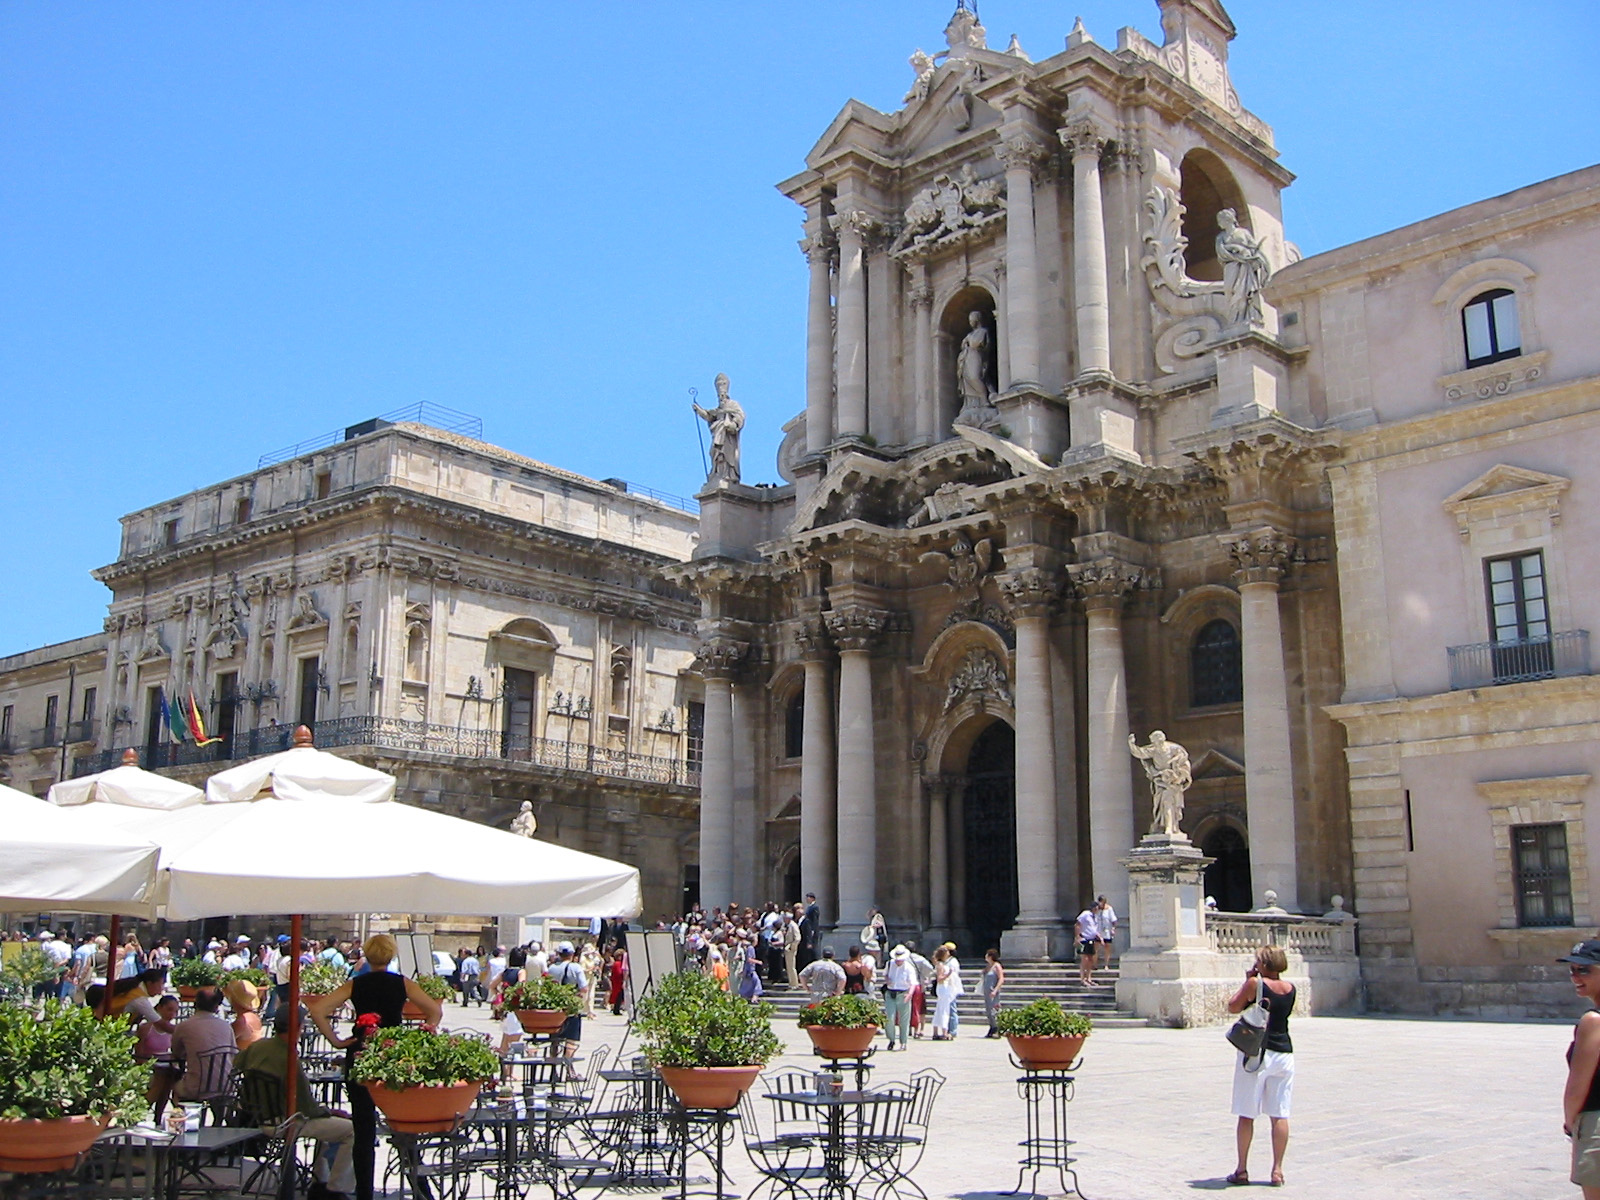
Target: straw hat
(243, 995)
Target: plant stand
(858, 1065)
(1046, 1146)
(712, 1142)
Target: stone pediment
(857, 127)
(1504, 490)
(924, 489)
(1214, 764)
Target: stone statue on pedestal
(1245, 269)
(1166, 764)
(972, 376)
(525, 824)
(726, 420)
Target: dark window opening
(52, 715)
(227, 704)
(310, 677)
(170, 532)
(1216, 668)
(1544, 884)
(694, 745)
(1519, 617)
(324, 484)
(1490, 327)
(241, 511)
(794, 726)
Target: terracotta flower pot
(1046, 1053)
(709, 1087)
(188, 993)
(542, 1020)
(410, 1012)
(838, 1041)
(433, 1109)
(28, 1145)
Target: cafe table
(834, 1110)
(168, 1157)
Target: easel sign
(414, 954)
(653, 957)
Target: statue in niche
(1245, 269)
(972, 375)
(1166, 765)
(725, 420)
(525, 824)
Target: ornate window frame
(1550, 800)
(1488, 380)
(1185, 618)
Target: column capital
(1261, 555)
(859, 224)
(920, 295)
(813, 641)
(1021, 150)
(720, 657)
(1029, 591)
(856, 627)
(1103, 583)
(818, 247)
(1085, 134)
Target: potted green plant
(436, 986)
(28, 968)
(708, 1043)
(63, 1078)
(423, 1080)
(320, 978)
(189, 975)
(542, 1004)
(1043, 1035)
(843, 1026)
(251, 975)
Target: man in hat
(824, 977)
(566, 970)
(899, 981)
(269, 1057)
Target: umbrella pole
(292, 1092)
(111, 966)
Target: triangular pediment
(1214, 764)
(857, 127)
(1503, 479)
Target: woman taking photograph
(1580, 1107)
(1263, 1089)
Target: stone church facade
(1087, 451)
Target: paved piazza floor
(1383, 1109)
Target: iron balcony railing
(390, 733)
(1484, 664)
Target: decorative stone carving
(950, 212)
(306, 615)
(720, 657)
(1105, 581)
(726, 421)
(856, 628)
(1245, 269)
(812, 640)
(1260, 555)
(525, 824)
(991, 615)
(150, 646)
(965, 563)
(947, 502)
(1084, 133)
(1020, 151)
(817, 247)
(980, 674)
(963, 32)
(922, 66)
(1166, 765)
(225, 640)
(1029, 592)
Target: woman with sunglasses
(1581, 1099)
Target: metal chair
(785, 1162)
(876, 1135)
(212, 1078)
(893, 1159)
(258, 1102)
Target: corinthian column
(921, 297)
(818, 811)
(1262, 555)
(854, 631)
(852, 228)
(1021, 152)
(1085, 138)
(1103, 584)
(1029, 594)
(819, 343)
(718, 662)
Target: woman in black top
(1581, 1099)
(1263, 1086)
(384, 994)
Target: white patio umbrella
(50, 862)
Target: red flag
(197, 727)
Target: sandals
(1238, 1177)
(1277, 1179)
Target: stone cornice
(1563, 710)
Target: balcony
(389, 733)
(1484, 664)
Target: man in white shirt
(214, 951)
(59, 953)
(239, 957)
(899, 981)
(566, 970)
(824, 977)
(538, 961)
(1088, 942)
(1105, 918)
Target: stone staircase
(1025, 983)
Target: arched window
(794, 725)
(416, 652)
(1206, 187)
(1216, 674)
(1490, 327)
(621, 681)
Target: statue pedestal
(1168, 971)
(1036, 943)
(1037, 421)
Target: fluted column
(718, 662)
(851, 228)
(819, 343)
(921, 297)
(1085, 138)
(1029, 594)
(1262, 555)
(938, 789)
(1021, 152)
(818, 808)
(1103, 584)
(854, 631)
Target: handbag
(1249, 1033)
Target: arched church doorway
(1228, 879)
(991, 836)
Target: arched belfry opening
(1207, 188)
(955, 323)
(989, 805)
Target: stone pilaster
(819, 252)
(1040, 932)
(937, 788)
(1021, 152)
(818, 799)
(923, 357)
(854, 630)
(718, 662)
(1085, 137)
(852, 228)
(1262, 556)
(1102, 585)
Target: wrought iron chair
(787, 1156)
(209, 1083)
(892, 1158)
(257, 1102)
(875, 1135)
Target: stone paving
(1384, 1108)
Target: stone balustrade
(1303, 937)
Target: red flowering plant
(423, 1057)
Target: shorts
(1264, 1093)
(1086, 947)
(1586, 1150)
(571, 1029)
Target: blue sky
(227, 228)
